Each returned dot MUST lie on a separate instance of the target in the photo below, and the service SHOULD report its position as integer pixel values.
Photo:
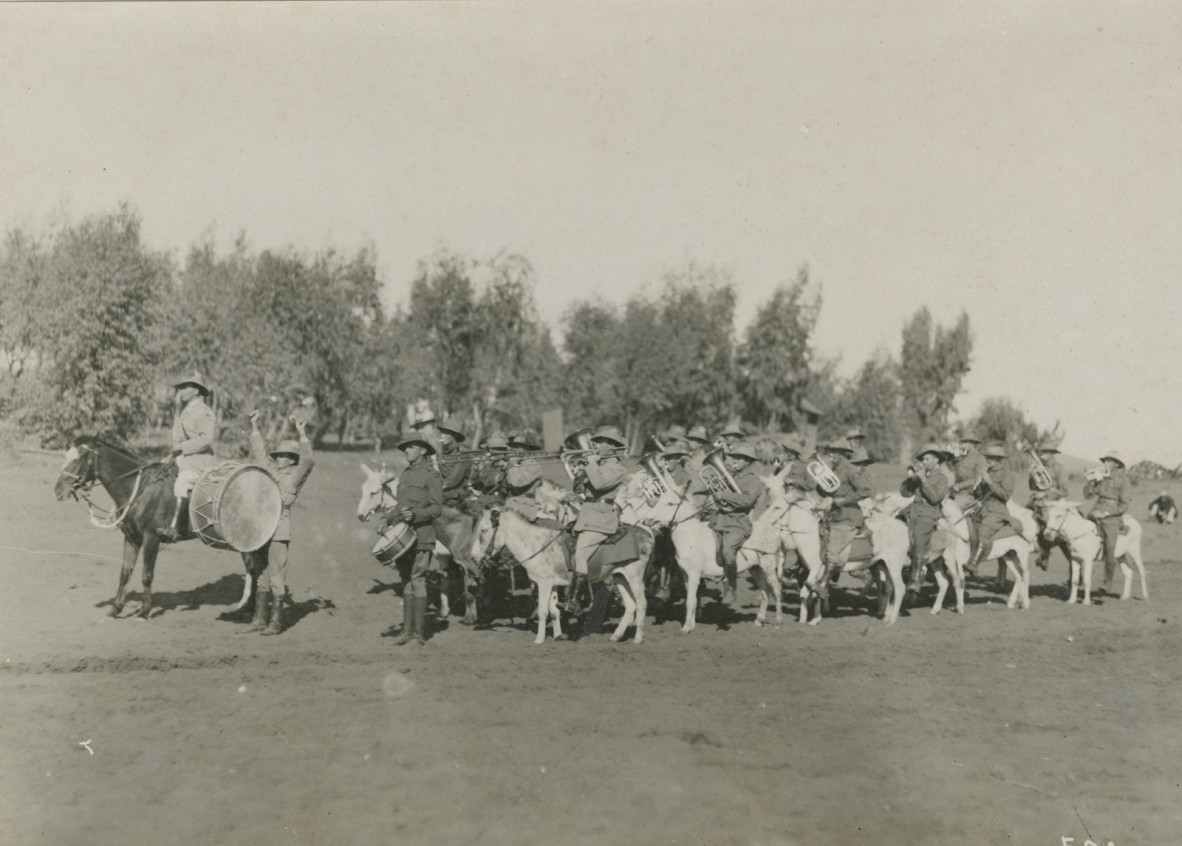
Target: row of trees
(94, 325)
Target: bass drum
(394, 543)
(235, 506)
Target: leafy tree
(932, 366)
(97, 337)
(1001, 420)
(870, 400)
(776, 358)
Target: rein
(106, 518)
(495, 518)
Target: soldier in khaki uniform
(969, 469)
(845, 515)
(1047, 454)
(1112, 501)
(193, 432)
(420, 502)
(291, 464)
(732, 520)
(993, 494)
(929, 485)
(797, 482)
(456, 471)
(598, 519)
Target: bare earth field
(997, 727)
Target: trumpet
(714, 474)
(823, 475)
(1040, 477)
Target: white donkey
(538, 549)
(697, 558)
(949, 566)
(1086, 545)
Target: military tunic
(598, 517)
(929, 491)
(845, 518)
(421, 491)
(1112, 501)
(998, 487)
(455, 476)
(193, 432)
(732, 521)
(291, 480)
(969, 470)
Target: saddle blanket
(621, 548)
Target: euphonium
(655, 483)
(714, 474)
(823, 475)
(1040, 477)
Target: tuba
(823, 475)
(714, 474)
(1040, 477)
(655, 483)
(582, 439)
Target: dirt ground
(997, 727)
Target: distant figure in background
(291, 464)
(193, 432)
(1163, 509)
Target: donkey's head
(378, 490)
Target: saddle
(862, 546)
(161, 471)
(619, 549)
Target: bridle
(84, 482)
(1058, 530)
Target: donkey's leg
(1135, 554)
(1074, 566)
(131, 552)
(545, 589)
(940, 573)
(555, 617)
(761, 584)
(898, 590)
(691, 600)
(1089, 560)
(629, 599)
(151, 547)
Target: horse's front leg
(131, 552)
(151, 547)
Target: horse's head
(78, 471)
(484, 537)
(378, 490)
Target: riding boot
(408, 617)
(573, 606)
(262, 606)
(171, 532)
(917, 578)
(419, 637)
(276, 625)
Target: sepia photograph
(625, 423)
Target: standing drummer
(291, 464)
(420, 501)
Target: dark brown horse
(144, 503)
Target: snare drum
(393, 543)
(235, 506)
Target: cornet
(1040, 477)
(715, 476)
(823, 475)
(1097, 474)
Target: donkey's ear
(366, 469)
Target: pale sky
(1022, 161)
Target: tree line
(95, 325)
